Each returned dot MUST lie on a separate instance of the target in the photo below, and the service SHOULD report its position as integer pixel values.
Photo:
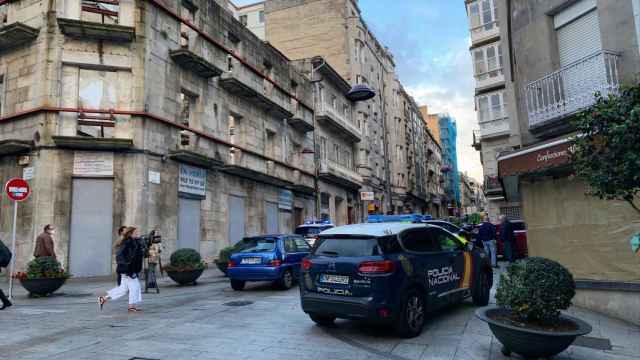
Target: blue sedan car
(273, 258)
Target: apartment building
(336, 143)
(448, 138)
(155, 114)
(499, 129)
(346, 43)
(562, 53)
(251, 16)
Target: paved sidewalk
(211, 321)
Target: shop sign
(285, 200)
(540, 158)
(367, 196)
(27, 173)
(89, 163)
(192, 180)
(154, 177)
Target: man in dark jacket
(487, 234)
(507, 237)
(44, 243)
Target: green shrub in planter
(185, 260)
(225, 254)
(536, 289)
(45, 268)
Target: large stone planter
(185, 277)
(531, 343)
(42, 287)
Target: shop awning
(537, 158)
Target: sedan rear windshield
(356, 247)
(249, 245)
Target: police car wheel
(412, 317)
(237, 285)
(322, 320)
(286, 282)
(482, 290)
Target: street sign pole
(13, 249)
(17, 190)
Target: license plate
(251, 261)
(334, 279)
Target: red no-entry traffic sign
(17, 189)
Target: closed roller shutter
(579, 38)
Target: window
(260, 244)
(420, 240)
(323, 148)
(492, 106)
(290, 245)
(261, 17)
(301, 245)
(447, 241)
(488, 61)
(483, 15)
(104, 12)
(187, 103)
(96, 90)
(189, 14)
(243, 20)
(270, 144)
(334, 102)
(348, 247)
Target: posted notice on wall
(193, 180)
(93, 163)
(285, 200)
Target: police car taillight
(377, 267)
(306, 264)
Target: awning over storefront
(546, 158)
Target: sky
(430, 43)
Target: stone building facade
(156, 114)
(494, 97)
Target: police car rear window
(356, 247)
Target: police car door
(450, 277)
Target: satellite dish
(360, 92)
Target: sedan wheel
(287, 280)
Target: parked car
(273, 258)
(520, 232)
(391, 273)
(310, 229)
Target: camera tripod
(150, 278)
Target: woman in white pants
(129, 257)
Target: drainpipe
(386, 145)
(316, 155)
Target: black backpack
(5, 255)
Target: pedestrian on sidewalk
(508, 239)
(121, 230)
(5, 259)
(487, 235)
(44, 243)
(129, 257)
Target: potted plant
(527, 319)
(222, 262)
(185, 266)
(44, 276)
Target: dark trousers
(5, 301)
(509, 248)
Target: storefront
(587, 235)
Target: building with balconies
(494, 91)
(337, 139)
(154, 114)
(566, 52)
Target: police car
(311, 228)
(392, 273)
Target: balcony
(16, 34)
(489, 80)
(572, 88)
(242, 81)
(302, 119)
(485, 32)
(188, 60)
(97, 31)
(251, 167)
(340, 175)
(498, 126)
(339, 122)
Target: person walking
(129, 258)
(487, 235)
(44, 243)
(507, 237)
(5, 259)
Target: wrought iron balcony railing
(572, 88)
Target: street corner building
(156, 114)
(552, 58)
